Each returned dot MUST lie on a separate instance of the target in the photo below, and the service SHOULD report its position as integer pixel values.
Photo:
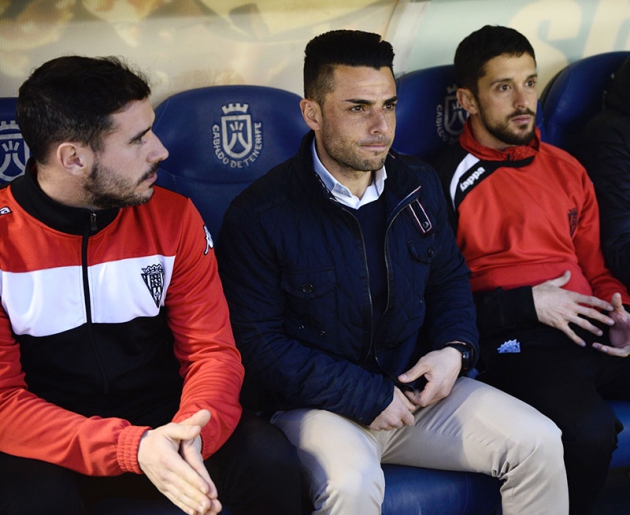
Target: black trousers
(256, 472)
(570, 385)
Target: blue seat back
(13, 151)
(429, 117)
(222, 138)
(575, 95)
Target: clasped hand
(558, 308)
(440, 368)
(171, 458)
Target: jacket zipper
(397, 210)
(402, 205)
(91, 228)
(367, 270)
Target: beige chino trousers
(477, 428)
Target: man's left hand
(190, 450)
(619, 334)
(170, 457)
(440, 368)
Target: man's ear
(312, 113)
(75, 158)
(467, 100)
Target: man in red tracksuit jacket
(553, 328)
(119, 375)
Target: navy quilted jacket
(293, 266)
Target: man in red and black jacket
(553, 328)
(118, 370)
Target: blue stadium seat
(221, 138)
(409, 491)
(13, 151)
(575, 94)
(428, 115)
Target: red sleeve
(588, 248)
(34, 428)
(204, 344)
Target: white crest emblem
(237, 142)
(15, 151)
(450, 117)
(153, 277)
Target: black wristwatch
(467, 354)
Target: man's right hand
(558, 307)
(398, 413)
(160, 458)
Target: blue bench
(409, 490)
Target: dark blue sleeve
(605, 153)
(450, 307)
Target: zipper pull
(93, 226)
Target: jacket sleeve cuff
(208, 436)
(500, 309)
(519, 307)
(380, 404)
(127, 449)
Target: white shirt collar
(343, 194)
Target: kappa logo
(463, 186)
(5, 210)
(153, 277)
(450, 117)
(237, 142)
(14, 153)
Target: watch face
(466, 359)
(466, 354)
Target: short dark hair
(72, 98)
(482, 45)
(341, 47)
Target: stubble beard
(346, 155)
(505, 134)
(106, 191)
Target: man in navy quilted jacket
(351, 306)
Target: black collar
(71, 220)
